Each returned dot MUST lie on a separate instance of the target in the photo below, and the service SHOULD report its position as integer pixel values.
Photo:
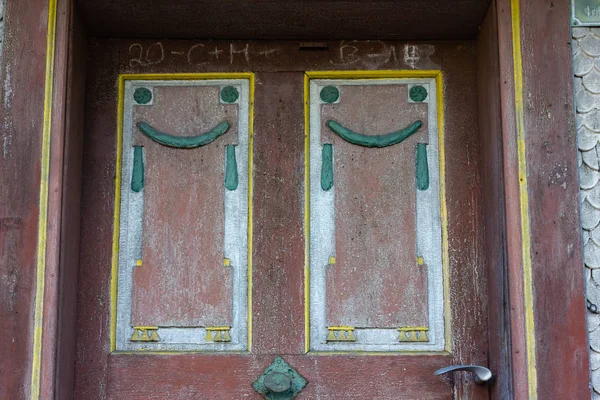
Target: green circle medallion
(417, 93)
(229, 94)
(142, 95)
(330, 94)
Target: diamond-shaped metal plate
(278, 367)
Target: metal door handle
(278, 382)
(482, 374)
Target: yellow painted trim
(387, 74)
(317, 353)
(413, 328)
(217, 328)
(138, 263)
(143, 327)
(331, 260)
(119, 163)
(307, 212)
(38, 318)
(524, 200)
(384, 74)
(439, 81)
(114, 275)
(420, 261)
(190, 77)
(381, 353)
(340, 328)
(250, 77)
(226, 262)
(174, 353)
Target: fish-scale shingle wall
(586, 68)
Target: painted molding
(40, 274)
(320, 224)
(129, 210)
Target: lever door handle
(481, 374)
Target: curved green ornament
(183, 142)
(361, 139)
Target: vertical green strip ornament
(231, 171)
(137, 177)
(422, 167)
(327, 167)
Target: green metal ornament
(330, 94)
(142, 95)
(229, 94)
(417, 93)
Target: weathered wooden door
(281, 232)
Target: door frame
(536, 292)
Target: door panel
(375, 213)
(280, 283)
(183, 216)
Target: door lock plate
(279, 381)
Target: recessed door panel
(184, 215)
(376, 270)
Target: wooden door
(246, 232)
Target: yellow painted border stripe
(383, 74)
(43, 204)
(117, 213)
(524, 200)
(307, 78)
(439, 81)
(250, 77)
(117, 217)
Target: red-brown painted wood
(230, 377)
(492, 180)
(71, 214)
(55, 207)
(97, 191)
(278, 245)
(182, 281)
(376, 280)
(468, 269)
(514, 249)
(556, 257)
(21, 105)
(555, 243)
